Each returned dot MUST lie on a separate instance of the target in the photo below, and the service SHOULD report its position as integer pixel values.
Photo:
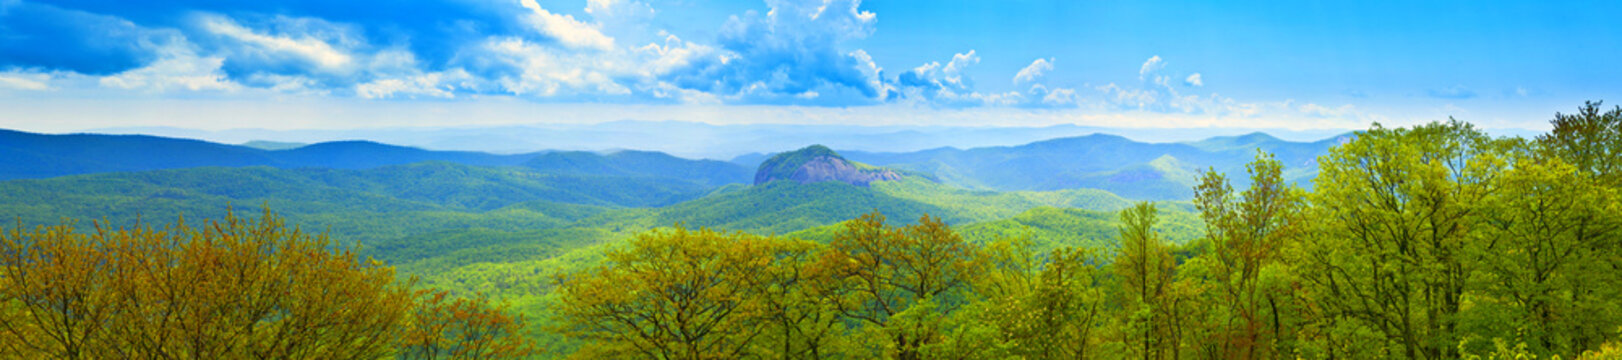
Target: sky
(72, 65)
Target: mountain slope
(29, 155)
(368, 205)
(1150, 171)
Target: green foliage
(1053, 228)
(1430, 242)
(1589, 140)
(234, 288)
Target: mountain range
(703, 140)
(508, 224)
(1138, 170)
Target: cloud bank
(795, 52)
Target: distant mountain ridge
(1137, 170)
(28, 155)
(699, 140)
(642, 164)
(1152, 171)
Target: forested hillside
(1429, 242)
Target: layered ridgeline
(1138, 170)
(640, 164)
(28, 155)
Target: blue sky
(82, 64)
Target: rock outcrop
(818, 163)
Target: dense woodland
(1430, 242)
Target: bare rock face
(817, 164)
(826, 168)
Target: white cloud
(873, 73)
(674, 53)
(796, 46)
(426, 85)
(1060, 96)
(953, 72)
(944, 78)
(1152, 65)
(178, 68)
(1194, 80)
(1132, 98)
(1056, 97)
(546, 73)
(568, 31)
(314, 50)
(935, 84)
(1033, 71)
(25, 81)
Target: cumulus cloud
(567, 30)
(1152, 65)
(1056, 97)
(795, 47)
(316, 51)
(672, 53)
(938, 84)
(1033, 71)
(545, 72)
(799, 52)
(934, 77)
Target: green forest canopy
(1429, 242)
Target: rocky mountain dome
(817, 163)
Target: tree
(1399, 209)
(1548, 234)
(1589, 140)
(230, 289)
(799, 325)
(1044, 307)
(673, 294)
(443, 327)
(1248, 236)
(234, 288)
(1146, 268)
(877, 273)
